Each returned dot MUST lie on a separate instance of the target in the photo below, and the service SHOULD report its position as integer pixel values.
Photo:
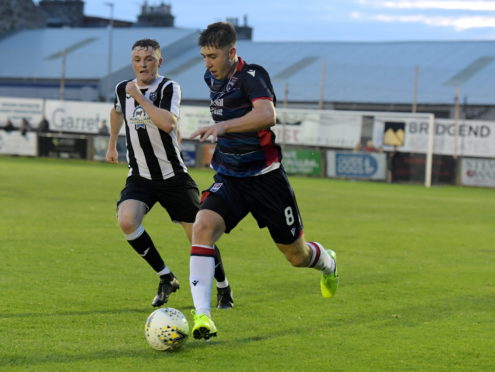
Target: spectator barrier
(316, 142)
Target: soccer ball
(166, 329)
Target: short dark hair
(218, 35)
(145, 43)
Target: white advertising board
(473, 138)
(478, 172)
(318, 127)
(77, 117)
(16, 143)
(16, 109)
(192, 118)
(294, 126)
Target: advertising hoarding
(356, 165)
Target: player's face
(219, 61)
(145, 62)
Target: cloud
(477, 5)
(458, 23)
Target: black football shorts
(179, 195)
(268, 197)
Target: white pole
(429, 153)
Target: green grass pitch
(417, 279)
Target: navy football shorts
(268, 197)
(179, 195)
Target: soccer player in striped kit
(149, 107)
(249, 175)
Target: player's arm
(262, 116)
(116, 121)
(162, 118)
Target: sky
(328, 20)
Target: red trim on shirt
(240, 65)
(204, 195)
(271, 153)
(257, 98)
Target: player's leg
(135, 201)
(301, 253)
(130, 216)
(221, 210)
(207, 229)
(180, 198)
(225, 298)
(275, 206)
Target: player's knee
(203, 228)
(208, 227)
(127, 224)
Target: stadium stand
(369, 76)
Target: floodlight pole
(457, 114)
(110, 37)
(322, 83)
(284, 117)
(62, 75)
(415, 90)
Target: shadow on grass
(144, 353)
(405, 316)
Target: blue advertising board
(358, 165)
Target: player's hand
(112, 156)
(132, 89)
(212, 131)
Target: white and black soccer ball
(166, 329)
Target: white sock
(320, 258)
(223, 284)
(136, 234)
(201, 273)
(165, 271)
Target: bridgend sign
(466, 138)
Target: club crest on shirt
(153, 96)
(231, 83)
(216, 187)
(139, 118)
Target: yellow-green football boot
(203, 327)
(329, 283)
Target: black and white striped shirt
(151, 153)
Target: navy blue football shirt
(242, 154)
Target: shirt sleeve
(257, 85)
(171, 97)
(116, 101)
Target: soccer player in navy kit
(249, 176)
(149, 105)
